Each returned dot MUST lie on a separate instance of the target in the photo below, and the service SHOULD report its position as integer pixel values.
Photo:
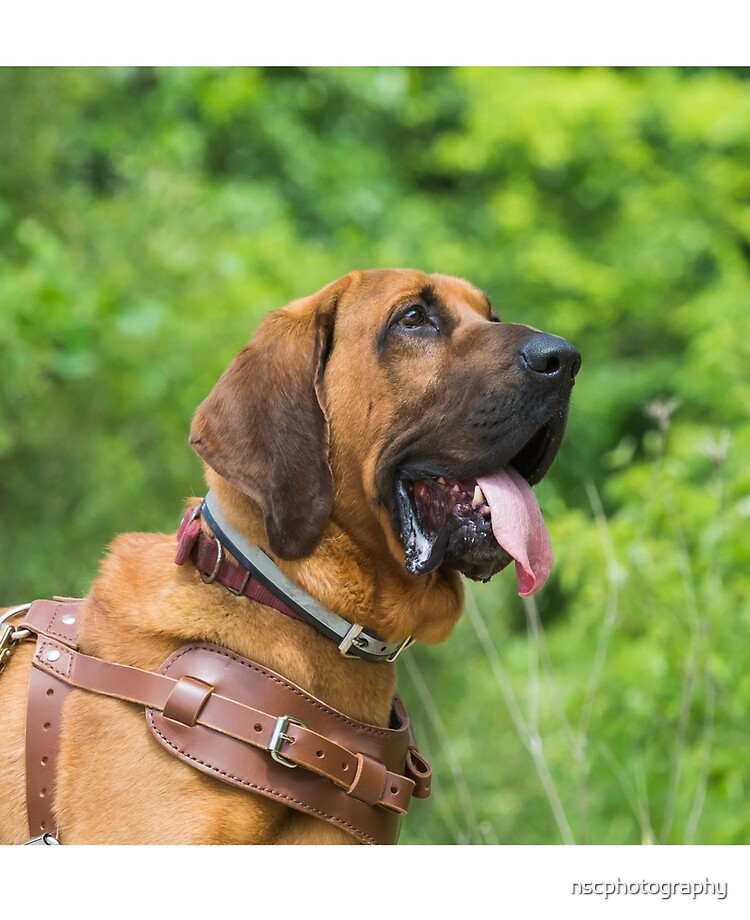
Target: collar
(259, 578)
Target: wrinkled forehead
(377, 293)
(459, 291)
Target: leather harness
(226, 716)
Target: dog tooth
(478, 497)
(456, 488)
(441, 480)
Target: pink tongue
(519, 527)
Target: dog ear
(264, 428)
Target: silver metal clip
(45, 840)
(10, 637)
(14, 612)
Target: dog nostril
(550, 357)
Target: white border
(320, 882)
(384, 32)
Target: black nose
(550, 357)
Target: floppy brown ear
(264, 429)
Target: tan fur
(116, 784)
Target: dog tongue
(519, 527)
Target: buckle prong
(279, 736)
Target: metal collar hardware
(45, 840)
(352, 640)
(10, 637)
(279, 736)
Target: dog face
(399, 406)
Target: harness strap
(43, 720)
(47, 694)
(370, 766)
(178, 701)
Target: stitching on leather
(65, 636)
(238, 779)
(277, 679)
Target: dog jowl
(415, 398)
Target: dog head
(398, 405)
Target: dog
(376, 440)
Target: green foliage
(150, 218)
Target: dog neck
(362, 584)
(255, 575)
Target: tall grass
(604, 762)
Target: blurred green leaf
(150, 217)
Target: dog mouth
(479, 524)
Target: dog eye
(412, 318)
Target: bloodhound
(376, 441)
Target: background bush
(150, 218)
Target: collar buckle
(350, 639)
(408, 641)
(277, 591)
(353, 638)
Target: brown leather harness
(228, 717)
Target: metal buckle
(353, 638)
(408, 641)
(45, 840)
(279, 736)
(9, 637)
(238, 592)
(350, 639)
(210, 579)
(7, 646)
(14, 611)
